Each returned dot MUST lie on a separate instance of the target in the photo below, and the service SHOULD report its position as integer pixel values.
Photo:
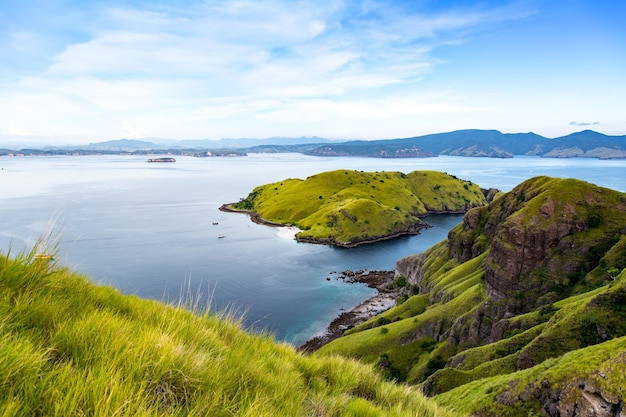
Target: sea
(154, 229)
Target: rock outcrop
(542, 237)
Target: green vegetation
(485, 333)
(557, 381)
(347, 208)
(71, 348)
(513, 307)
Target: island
(162, 159)
(348, 208)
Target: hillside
(71, 348)
(348, 208)
(526, 292)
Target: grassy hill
(71, 348)
(521, 310)
(347, 208)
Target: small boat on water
(221, 236)
(163, 159)
(214, 223)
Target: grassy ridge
(453, 336)
(68, 347)
(349, 207)
(599, 366)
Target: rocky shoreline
(384, 300)
(254, 216)
(413, 230)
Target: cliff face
(543, 238)
(532, 276)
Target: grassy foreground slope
(346, 208)
(521, 310)
(71, 348)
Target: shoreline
(382, 301)
(256, 218)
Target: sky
(81, 71)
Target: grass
(346, 207)
(601, 365)
(69, 347)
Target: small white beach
(288, 232)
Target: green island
(348, 208)
(520, 312)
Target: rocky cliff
(543, 238)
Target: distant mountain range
(472, 142)
(485, 143)
(129, 145)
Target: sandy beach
(287, 232)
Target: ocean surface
(148, 229)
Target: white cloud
(574, 123)
(16, 131)
(233, 65)
(129, 131)
(270, 41)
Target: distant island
(162, 159)
(469, 142)
(350, 208)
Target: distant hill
(239, 143)
(125, 145)
(588, 144)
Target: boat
(214, 223)
(221, 236)
(163, 159)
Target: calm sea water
(147, 229)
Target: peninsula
(349, 208)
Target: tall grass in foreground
(71, 348)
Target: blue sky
(85, 71)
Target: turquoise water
(147, 229)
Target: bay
(148, 229)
